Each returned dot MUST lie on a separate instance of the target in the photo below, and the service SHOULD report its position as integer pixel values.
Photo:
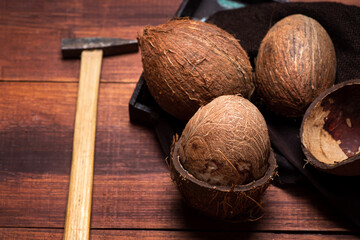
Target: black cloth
(342, 22)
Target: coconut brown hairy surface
(188, 63)
(330, 131)
(237, 202)
(295, 63)
(226, 142)
(223, 162)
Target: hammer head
(72, 47)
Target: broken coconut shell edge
(347, 167)
(234, 203)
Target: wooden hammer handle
(77, 222)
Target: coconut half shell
(238, 202)
(330, 130)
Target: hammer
(91, 50)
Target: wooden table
(133, 196)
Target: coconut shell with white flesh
(330, 130)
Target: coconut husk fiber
(249, 25)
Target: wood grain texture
(31, 34)
(132, 186)
(42, 234)
(78, 211)
(133, 196)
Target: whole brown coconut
(188, 63)
(330, 131)
(295, 63)
(223, 162)
(226, 142)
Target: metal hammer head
(72, 47)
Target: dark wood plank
(39, 234)
(32, 30)
(132, 186)
(134, 197)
